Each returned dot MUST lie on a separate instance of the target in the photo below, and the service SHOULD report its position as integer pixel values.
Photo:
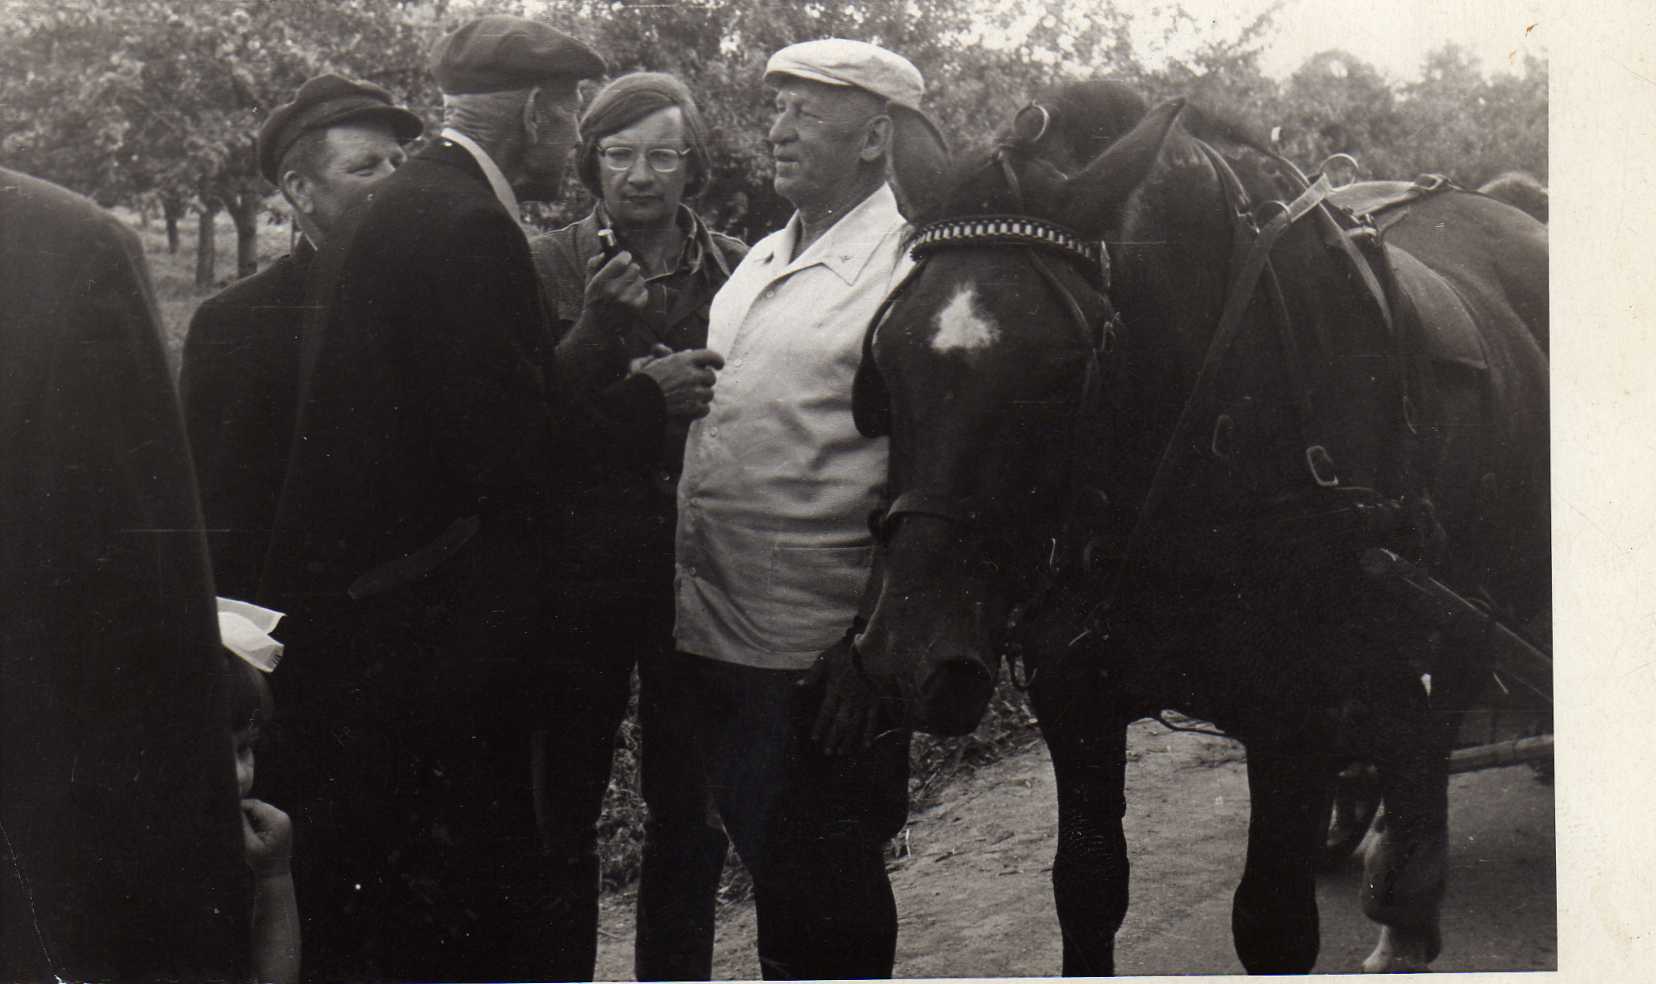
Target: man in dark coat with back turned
(323, 149)
(416, 525)
(122, 850)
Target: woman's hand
(617, 282)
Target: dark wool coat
(411, 551)
(239, 387)
(122, 855)
(419, 509)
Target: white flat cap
(837, 61)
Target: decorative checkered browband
(1011, 230)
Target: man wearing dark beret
(323, 150)
(417, 527)
(122, 853)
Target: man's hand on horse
(848, 719)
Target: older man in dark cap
(416, 527)
(773, 548)
(323, 150)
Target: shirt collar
(848, 244)
(698, 240)
(497, 178)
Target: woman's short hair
(629, 99)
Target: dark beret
(322, 102)
(498, 52)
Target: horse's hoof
(1402, 951)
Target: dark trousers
(403, 756)
(811, 829)
(416, 857)
(684, 848)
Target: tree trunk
(173, 210)
(244, 212)
(206, 248)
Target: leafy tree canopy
(144, 98)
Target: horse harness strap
(1250, 253)
(1386, 206)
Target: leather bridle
(1036, 240)
(1252, 243)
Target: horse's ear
(1096, 191)
(919, 162)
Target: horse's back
(1493, 254)
(1472, 274)
(1520, 190)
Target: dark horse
(1167, 485)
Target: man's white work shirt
(773, 547)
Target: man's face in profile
(550, 134)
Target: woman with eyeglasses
(644, 267)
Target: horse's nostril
(954, 696)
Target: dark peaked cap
(322, 102)
(498, 53)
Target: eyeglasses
(662, 160)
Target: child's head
(250, 706)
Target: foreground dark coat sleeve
(122, 836)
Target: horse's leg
(1274, 914)
(1088, 743)
(1406, 865)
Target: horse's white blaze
(961, 327)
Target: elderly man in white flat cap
(773, 550)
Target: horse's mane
(1213, 128)
(1092, 114)
(1519, 189)
(1086, 117)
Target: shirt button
(713, 432)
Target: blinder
(870, 399)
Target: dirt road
(974, 896)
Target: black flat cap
(498, 52)
(322, 102)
